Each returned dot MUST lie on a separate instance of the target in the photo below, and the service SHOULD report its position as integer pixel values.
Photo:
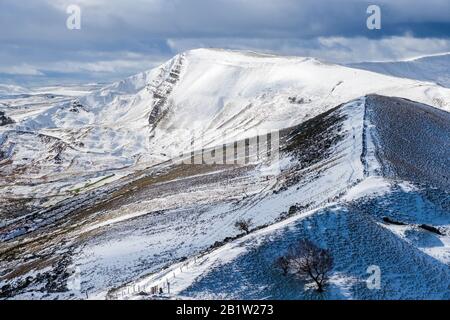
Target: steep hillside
(60, 146)
(394, 214)
(336, 182)
(413, 140)
(96, 201)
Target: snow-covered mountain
(91, 196)
(57, 144)
(433, 68)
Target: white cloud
(23, 70)
(103, 66)
(332, 49)
(390, 48)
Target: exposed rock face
(162, 90)
(76, 106)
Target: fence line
(158, 286)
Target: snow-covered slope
(339, 176)
(212, 91)
(396, 218)
(150, 117)
(88, 185)
(433, 68)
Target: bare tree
(306, 260)
(243, 225)
(283, 264)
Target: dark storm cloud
(134, 35)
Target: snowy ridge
(340, 171)
(90, 184)
(202, 276)
(150, 117)
(433, 68)
(176, 213)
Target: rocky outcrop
(76, 107)
(5, 120)
(161, 90)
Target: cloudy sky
(119, 38)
